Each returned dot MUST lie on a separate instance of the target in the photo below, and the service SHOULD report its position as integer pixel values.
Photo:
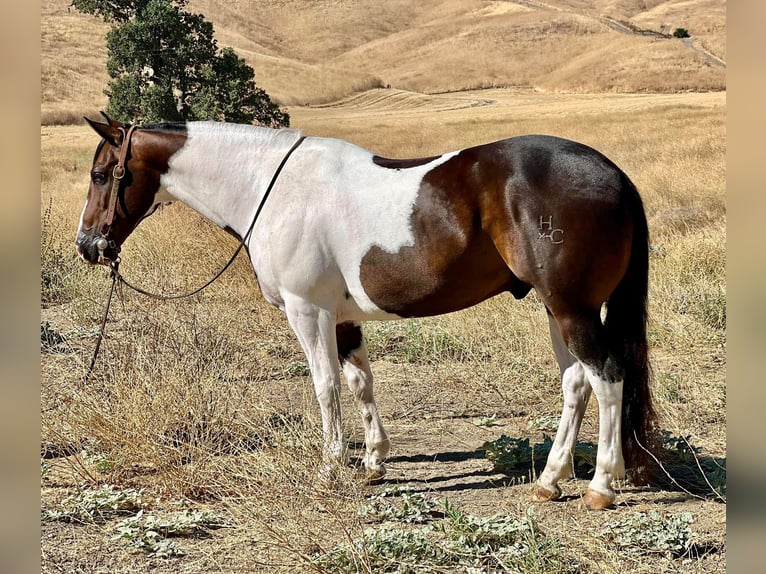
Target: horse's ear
(109, 132)
(110, 121)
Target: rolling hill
(308, 52)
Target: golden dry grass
(316, 52)
(209, 398)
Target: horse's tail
(625, 325)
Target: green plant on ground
(456, 542)
(544, 423)
(297, 369)
(50, 339)
(684, 464)
(95, 505)
(415, 508)
(486, 421)
(651, 533)
(510, 455)
(152, 535)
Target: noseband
(118, 173)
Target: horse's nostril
(84, 250)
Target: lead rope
(117, 276)
(114, 266)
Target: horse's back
(431, 236)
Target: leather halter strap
(118, 173)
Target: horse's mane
(165, 127)
(182, 127)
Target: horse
(348, 236)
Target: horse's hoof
(542, 494)
(374, 475)
(370, 475)
(595, 500)
(328, 475)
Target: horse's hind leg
(585, 337)
(356, 366)
(609, 460)
(576, 391)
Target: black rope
(114, 274)
(239, 247)
(117, 276)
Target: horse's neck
(223, 170)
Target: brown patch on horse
(401, 163)
(454, 262)
(349, 339)
(508, 216)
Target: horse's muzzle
(95, 249)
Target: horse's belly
(416, 282)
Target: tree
(165, 65)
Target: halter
(118, 173)
(102, 242)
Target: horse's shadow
(460, 480)
(699, 477)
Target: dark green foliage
(114, 10)
(680, 33)
(511, 455)
(165, 65)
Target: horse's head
(124, 181)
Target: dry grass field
(200, 413)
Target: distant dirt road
(628, 28)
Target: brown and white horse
(347, 236)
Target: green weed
(651, 533)
(96, 505)
(455, 542)
(414, 508)
(685, 465)
(510, 455)
(152, 535)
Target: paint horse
(348, 236)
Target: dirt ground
(434, 417)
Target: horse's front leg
(315, 329)
(356, 366)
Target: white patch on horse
(82, 216)
(330, 205)
(374, 203)
(221, 168)
(560, 464)
(609, 460)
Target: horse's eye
(99, 178)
